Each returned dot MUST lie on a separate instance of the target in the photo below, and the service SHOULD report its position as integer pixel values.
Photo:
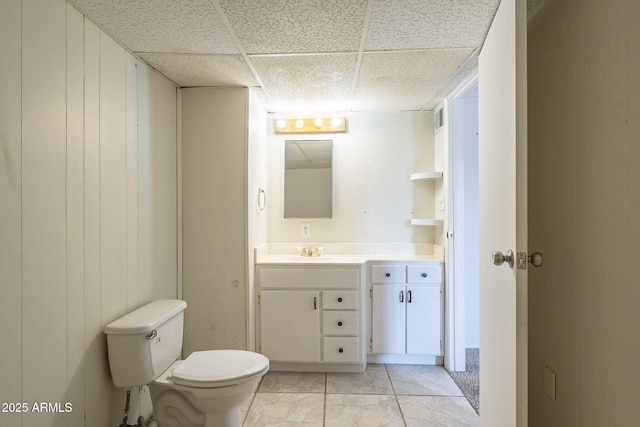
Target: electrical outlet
(305, 230)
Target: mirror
(308, 179)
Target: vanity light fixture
(316, 125)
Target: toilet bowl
(204, 390)
(207, 388)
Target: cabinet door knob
(424, 274)
(341, 350)
(339, 299)
(388, 274)
(339, 323)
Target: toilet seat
(218, 368)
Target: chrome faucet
(310, 251)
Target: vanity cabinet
(311, 317)
(406, 309)
(290, 321)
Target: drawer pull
(339, 323)
(339, 299)
(388, 274)
(315, 303)
(341, 350)
(424, 274)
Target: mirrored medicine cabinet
(308, 179)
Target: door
(388, 319)
(423, 320)
(284, 339)
(503, 220)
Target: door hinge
(259, 299)
(440, 344)
(260, 349)
(440, 294)
(371, 293)
(371, 344)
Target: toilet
(204, 390)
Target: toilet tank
(143, 343)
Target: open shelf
(426, 221)
(423, 176)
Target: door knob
(536, 259)
(499, 258)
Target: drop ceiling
(306, 55)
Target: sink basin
(307, 258)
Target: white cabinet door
(423, 320)
(388, 319)
(290, 325)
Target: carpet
(469, 380)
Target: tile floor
(384, 395)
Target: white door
(423, 319)
(388, 319)
(503, 220)
(282, 338)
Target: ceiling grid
(306, 55)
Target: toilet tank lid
(146, 318)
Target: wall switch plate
(550, 383)
(305, 230)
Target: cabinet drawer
(340, 300)
(387, 273)
(340, 323)
(424, 273)
(308, 277)
(344, 350)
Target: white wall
(465, 141)
(71, 177)
(584, 155)
(373, 197)
(258, 177)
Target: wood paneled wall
(88, 207)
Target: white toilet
(206, 389)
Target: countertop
(293, 259)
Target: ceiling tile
(297, 26)
(202, 70)
(307, 82)
(435, 24)
(162, 25)
(395, 81)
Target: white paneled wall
(10, 209)
(88, 212)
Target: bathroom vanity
(311, 317)
(335, 313)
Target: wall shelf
(423, 176)
(426, 221)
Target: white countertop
(293, 259)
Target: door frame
(455, 354)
